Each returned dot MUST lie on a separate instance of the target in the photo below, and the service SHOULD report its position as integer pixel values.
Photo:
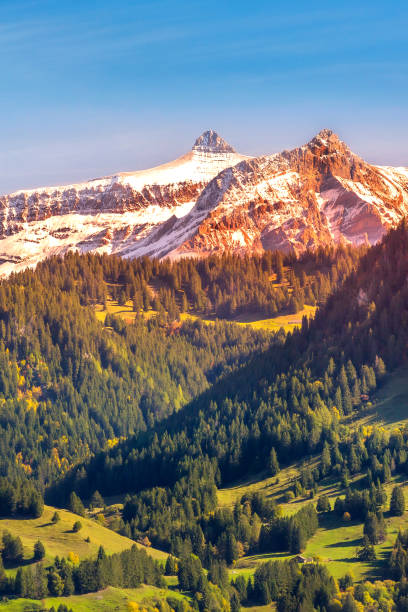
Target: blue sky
(91, 87)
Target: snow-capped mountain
(318, 194)
(107, 214)
(210, 200)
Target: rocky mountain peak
(211, 142)
(328, 139)
(317, 194)
(325, 134)
(327, 154)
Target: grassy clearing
(59, 539)
(272, 487)
(335, 544)
(288, 321)
(126, 311)
(107, 600)
(335, 541)
(269, 608)
(391, 401)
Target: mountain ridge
(103, 213)
(210, 200)
(317, 194)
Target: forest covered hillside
(304, 397)
(315, 376)
(71, 385)
(159, 413)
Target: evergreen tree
(39, 551)
(397, 504)
(19, 589)
(75, 504)
(297, 539)
(235, 602)
(231, 552)
(3, 577)
(273, 463)
(323, 504)
(97, 500)
(326, 459)
(366, 552)
(350, 604)
(171, 566)
(371, 529)
(13, 551)
(66, 574)
(40, 582)
(55, 584)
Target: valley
(203, 306)
(206, 430)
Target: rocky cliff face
(210, 141)
(210, 200)
(318, 194)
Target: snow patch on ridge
(108, 214)
(195, 167)
(100, 233)
(327, 201)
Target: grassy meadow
(59, 539)
(286, 321)
(107, 600)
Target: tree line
(128, 569)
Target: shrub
(73, 558)
(289, 496)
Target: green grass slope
(59, 539)
(107, 600)
(335, 544)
